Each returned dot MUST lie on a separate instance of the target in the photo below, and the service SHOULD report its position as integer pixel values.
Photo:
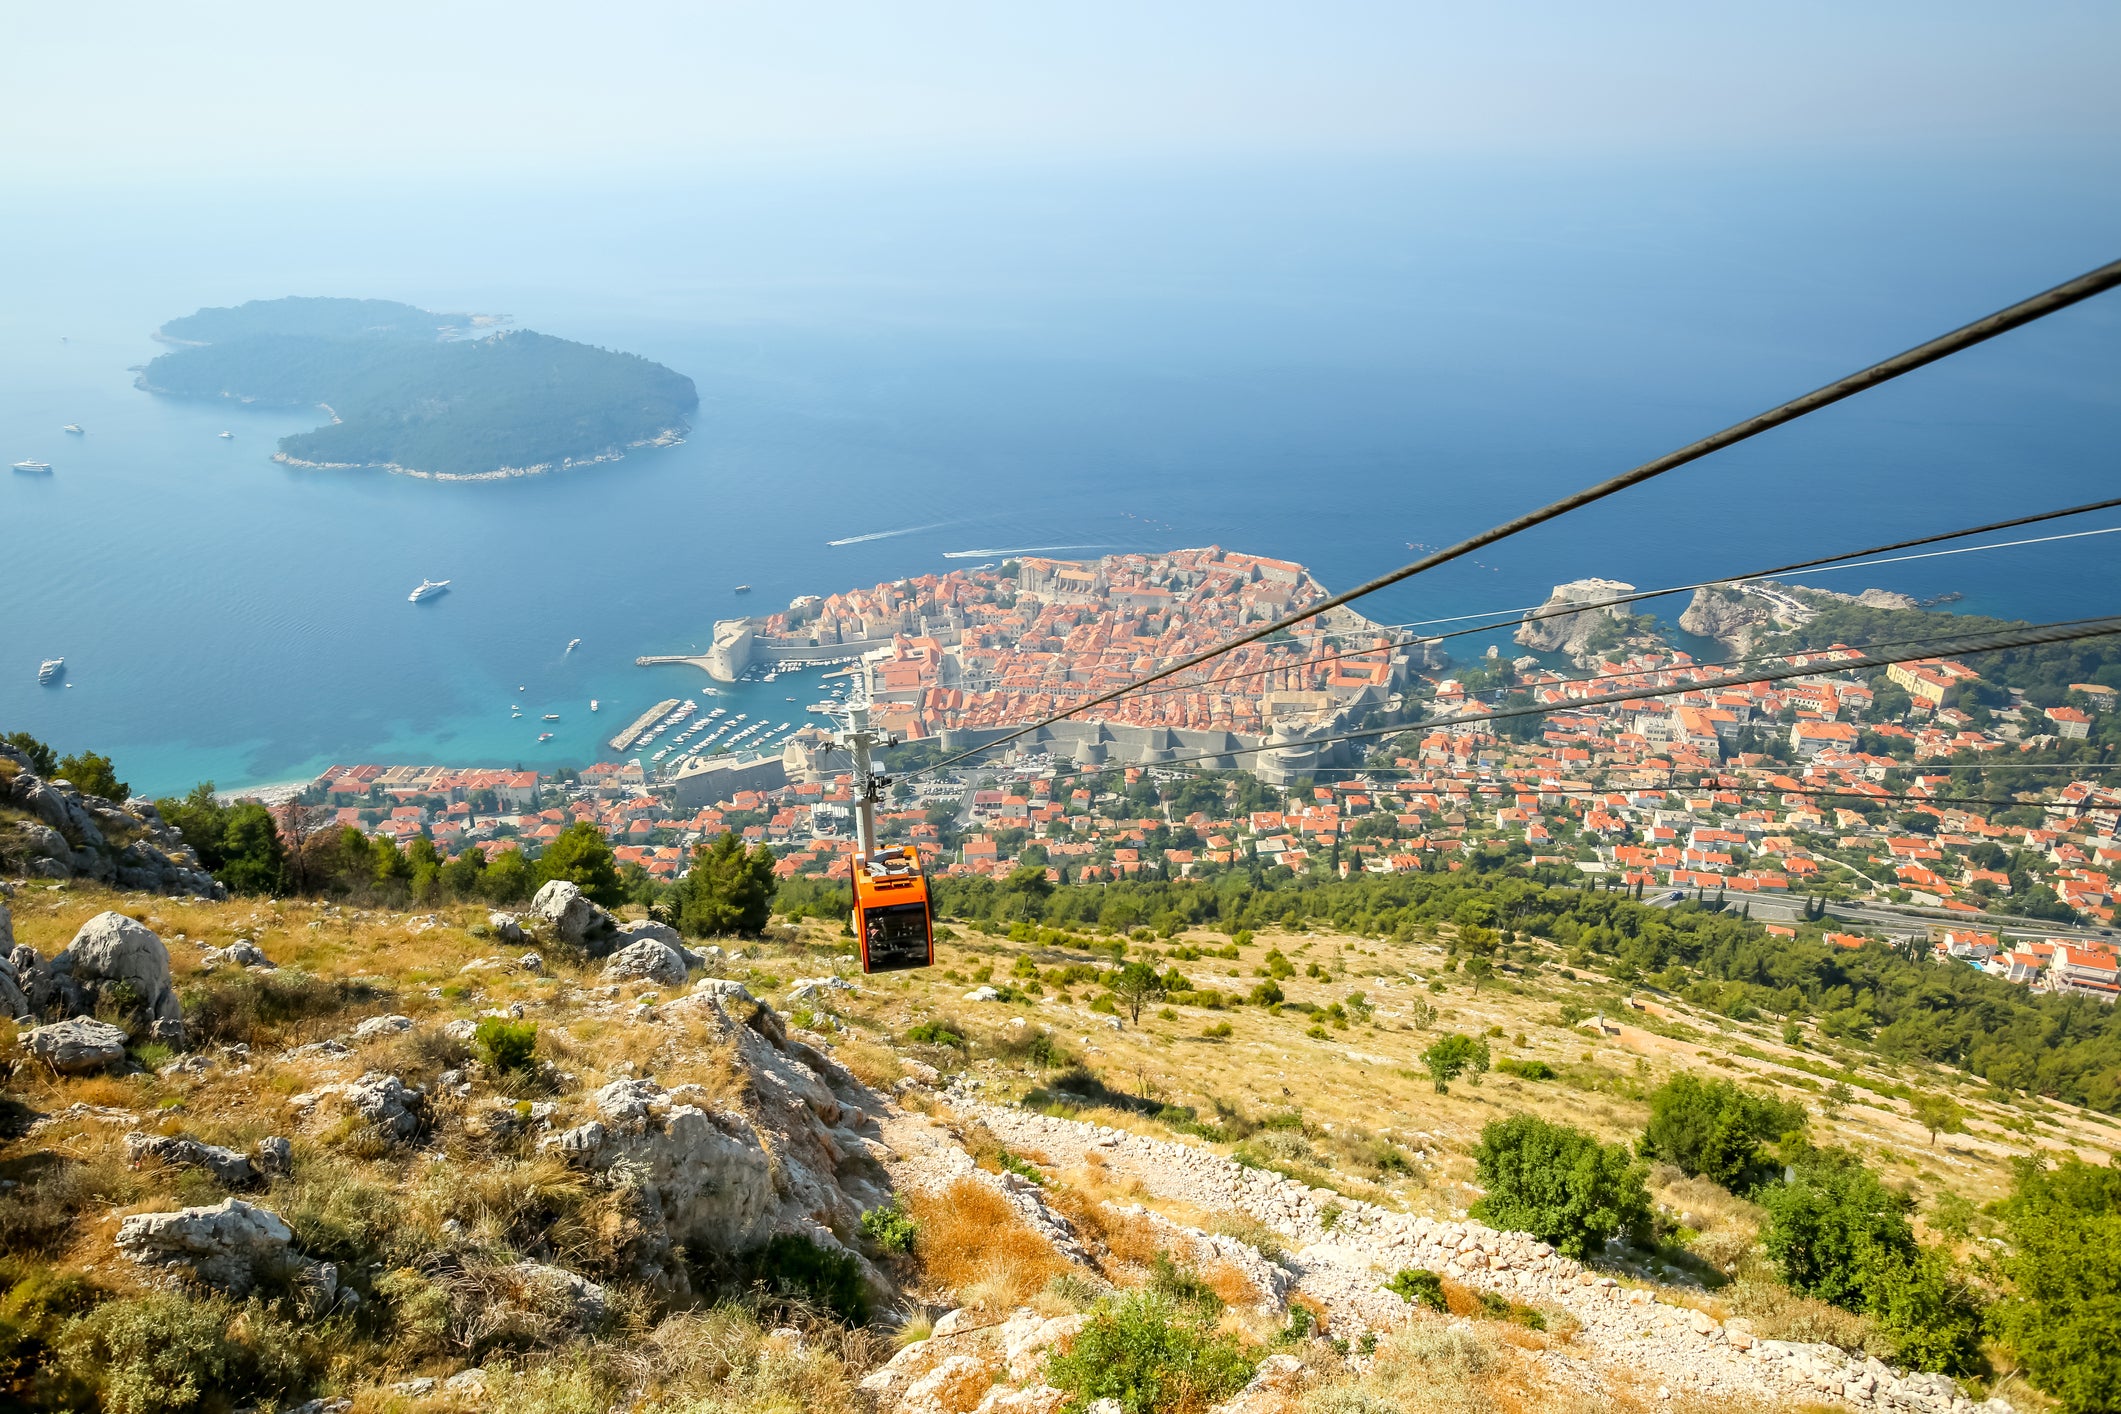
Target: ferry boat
(50, 668)
(75, 428)
(743, 589)
(34, 468)
(427, 590)
(552, 716)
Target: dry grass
(972, 1242)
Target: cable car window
(895, 936)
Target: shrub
(1714, 1129)
(1220, 1031)
(1146, 1353)
(935, 1033)
(1559, 1184)
(231, 1007)
(1418, 1287)
(1452, 1057)
(791, 1265)
(168, 1352)
(38, 1304)
(2065, 1227)
(506, 1046)
(1526, 1069)
(890, 1228)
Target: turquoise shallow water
(1323, 364)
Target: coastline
(668, 437)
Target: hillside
(404, 397)
(669, 1193)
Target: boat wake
(1019, 550)
(890, 534)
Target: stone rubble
(1343, 1263)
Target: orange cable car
(893, 918)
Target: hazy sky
(98, 89)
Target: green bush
(38, 1304)
(1150, 1355)
(935, 1033)
(890, 1227)
(2060, 1317)
(1559, 1184)
(1526, 1069)
(1714, 1129)
(506, 1046)
(1839, 1235)
(791, 1265)
(1418, 1287)
(1452, 1057)
(167, 1352)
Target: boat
(76, 428)
(428, 589)
(743, 589)
(552, 716)
(50, 669)
(228, 436)
(573, 643)
(544, 736)
(34, 468)
(592, 704)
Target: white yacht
(50, 668)
(572, 644)
(592, 704)
(34, 468)
(75, 428)
(428, 589)
(228, 436)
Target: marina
(641, 724)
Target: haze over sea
(1323, 363)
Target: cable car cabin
(892, 915)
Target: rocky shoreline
(668, 437)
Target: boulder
(955, 1386)
(111, 951)
(231, 1246)
(1274, 1380)
(76, 1046)
(649, 960)
(531, 962)
(555, 1291)
(229, 1168)
(647, 928)
(13, 1000)
(506, 926)
(274, 1156)
(572, 918)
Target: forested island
(409, 391)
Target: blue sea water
(1325, 363)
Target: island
(445, 396)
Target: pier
(643, 722)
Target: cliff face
(1730, 616)
(49, 830)
(1570, 632)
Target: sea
(912, 370)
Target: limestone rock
(572, 918)
(506, 926)
(274, 1156)
(378, 1027)
(1027, 1340)
(956, 1386)
(1274, 1379)
(76, 1046)
(535, 1286)
(1036, 1399)
(13, 1000)
(240, 953)
(230, 1246)
(229, 1168)
(388, 1103)
(1570, 632)
(649, 960)
(111, 951)
(59, 833)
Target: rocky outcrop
(1550, 629)
(955, 1370)
(1739, 615)
(77, 1046)
(114, 964)
(792, 1150)
(68, 835)
(13, 999)
(565, 914)
(232, 1246)
(240, 953)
